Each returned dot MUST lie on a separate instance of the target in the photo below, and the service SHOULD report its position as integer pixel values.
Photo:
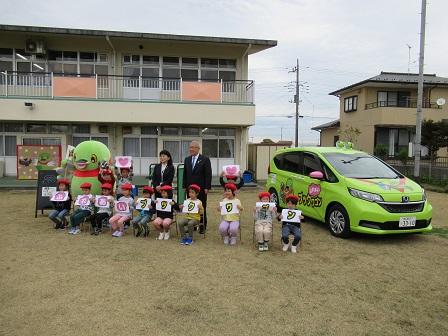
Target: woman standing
(163, 173)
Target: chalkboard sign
(46, 185)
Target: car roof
(320, 150)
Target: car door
(289, 165)
(313, 189)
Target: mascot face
(88, 155)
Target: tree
(434, 137)
(349, 134)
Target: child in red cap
(164, 219)
(224, 179)
(190, 220)
(140, 222)
(103, 213)
(82, 211)
(263, 221)
(124, 213)
(291, 227)
(230, 222)
(123, 177)
(61, 209)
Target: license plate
(407, 222)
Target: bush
(403, 156)
(381, 150)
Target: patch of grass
(52, 283)
(443, 232)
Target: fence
(109, 87)
(436, 170)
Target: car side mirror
(318, 175)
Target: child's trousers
(78, 216)
(263, 230)
(58, 216)
(190, 223)
(288, 229)
(229, 228)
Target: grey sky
(338, 42)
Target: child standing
(291, 227)
(230, 222)
(83, 211)
(61, 208)
(124, 177)
(103, 213)
(231, 179)
(263, 221)
(120, 217)
(140, 223)
(191, 219)
(164, 219)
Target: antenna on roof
(409, 58)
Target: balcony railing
(122, 88)
(406, 103)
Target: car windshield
(360, 165)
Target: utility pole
(296, 101)
(419, 119)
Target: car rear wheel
(338, 221)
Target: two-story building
(136, 92)
(384, 109)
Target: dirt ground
(52, 283)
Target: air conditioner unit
(35, 47)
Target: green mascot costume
(86, 159)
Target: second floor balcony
(125, 88)
(403, 103)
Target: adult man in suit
(198, 170)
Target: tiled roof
(334, 123)
(397, 77)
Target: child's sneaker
(119, 234)
(167, 235)
(233, 241)
(266, 246)
(260, 247)
(71, 230)
(285, 247)
(161, 236)
(226, 240)
(115, 233)
(294, 249)
(76, 231)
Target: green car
(350, 190)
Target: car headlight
(365, 195)
(423, 195)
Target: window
(126, 130)
(78, 139)
(13, 127)
(151, 130)
(292, 162)
(170, 131)
(59, 128)
(190, 131)
(103, 129)
(102, 139)
(81, 128)
(328, 173)
(209, 131)
(351, 104)
(10, 145)
(149, 147)
(393, 98)
(226, 148)
(2, 146)
(131, 146)
(210, 147)
(85, 63)
(31, 141)
(36, 128)
(140, 146)
(310, 163)
(214, 69)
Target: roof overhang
(256, 45)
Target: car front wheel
(338, 221)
